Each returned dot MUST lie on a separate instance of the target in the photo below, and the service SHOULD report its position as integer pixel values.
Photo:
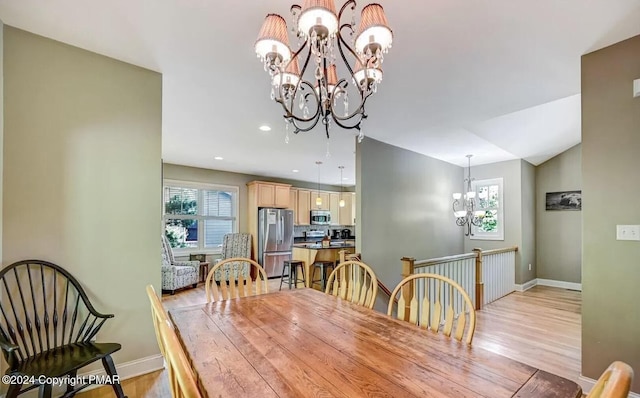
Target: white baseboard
(526, 286)
(587, 384)
(560, 284)
(548, 282)
(126, 370)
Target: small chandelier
(321, 33)
(464, 206)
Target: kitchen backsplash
(299, 230)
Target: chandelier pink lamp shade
(290, 76)
(366, 76)
(273, 40)
(318, 13)
(373, 31)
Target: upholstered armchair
(177, 274)
(234, 245)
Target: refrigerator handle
(281, 229)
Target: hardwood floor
(540, 327)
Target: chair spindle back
(231, 288)
(353, 281)
(43, 307)
(421, 301)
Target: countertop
(318, 246)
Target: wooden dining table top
(304, 343)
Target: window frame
(478, 234)
(201, 186)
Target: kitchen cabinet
(293, 204)
(303, 215)
(264, 194)
(270, 194)
(334, 207)
(324, 196)
(347, 213)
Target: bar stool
(323, 265)
(292, 270)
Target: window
(197, 216)
(489, 199)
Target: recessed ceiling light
(264, 127)
(295, 171)
(219, 158)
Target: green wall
(559, 233)
(82, 170)
(518, 180)
(610, 153)
(404, 207)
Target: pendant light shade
(273, 41)
(373, 32)
(364, 77)
(332, 81)
(290, 77)
(319, 17)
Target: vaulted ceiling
(499, 79)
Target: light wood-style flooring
(540, 327)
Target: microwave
(320, 217)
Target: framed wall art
(567, 200)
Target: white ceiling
(497, 78)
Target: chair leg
(13, 391)
(110, 368)
(282, 276)
(44, 391)
(304, 281)
(72, 375)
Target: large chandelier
(464, 206)
(320, 96)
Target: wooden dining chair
(422, 298)
(229, 288)
(158, 314)
(182, 381)
(353, 281)
(615, 382)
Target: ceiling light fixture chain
(319, 30)
(464, 206)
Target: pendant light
(341, 203)
(318, 198)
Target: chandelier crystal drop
(464, 206)
(317, 92)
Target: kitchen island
(309, 253)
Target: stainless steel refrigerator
(275, 239)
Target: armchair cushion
(177, 274)
(234, 245)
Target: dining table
(304, 343)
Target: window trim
(184, 251)
(499, 234)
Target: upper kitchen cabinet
(334, 207)
(270, 194)
(324, 197)
(303, 212)
(347, 213)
